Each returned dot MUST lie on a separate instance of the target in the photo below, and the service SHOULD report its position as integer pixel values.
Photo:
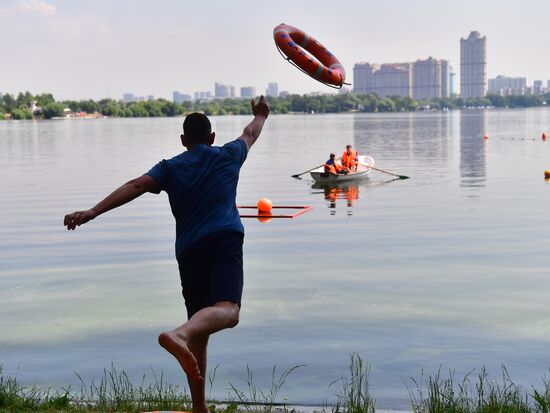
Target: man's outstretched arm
(120, 196)
(251, 132)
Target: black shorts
(211, 270)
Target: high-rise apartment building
(445, 78)
(390, 79)
(363, 77)
(203, 95)
(223, 91)
(537, 87)
(504, 85)
(178, 97)
(272, 89)
(248, 91)
(426, 79)
(128, 97)
(430, 79)
(473, 63)
(394, 79)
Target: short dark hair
(348, 146)
(332, 155)
(197, 127)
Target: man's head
(332, 156)
(196, 130)
(348, 149)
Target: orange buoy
(544, 136)
(265, 205)
(309, 55)
(485, 137)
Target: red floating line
(302, 209)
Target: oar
(386, 172)
(298, 175)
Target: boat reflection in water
(345, 193)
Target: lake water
(447, 269)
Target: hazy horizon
(79, 50)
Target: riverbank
(44, 106)
(477, 392)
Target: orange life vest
(330, 169)
(333, 169)
(349, 160)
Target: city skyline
(104, 49)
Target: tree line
(19, 107)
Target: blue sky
(95, 49)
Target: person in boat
(201, 184)
(350, 159)
(332, 166)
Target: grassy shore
(430, 393)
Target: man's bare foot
(177, 347)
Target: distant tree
(245, 109)
(234, 109)
(298, 103)
(409, 104)
(126, 113)
(370, 102)
(498, 101)
(138, 110)
(8, 103)
(53, 110)
(112, 109)
(386, 105)
(73, 105)
(89, 106)
(153, 108)
(24, 100)
(21, 114)
(43, 99)
(187, 106)
(2, 115)
(170, 108)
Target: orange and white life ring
(309, 55)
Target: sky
(98, 48)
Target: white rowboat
(319, 174)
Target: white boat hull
(319, 174)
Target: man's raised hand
(260, 108)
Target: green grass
(475, 394)
(114, 392)
(257, 399)
(437, 393)
(355, 396)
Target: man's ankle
(200, 407)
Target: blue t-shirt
(202, 186)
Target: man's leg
(198, 395)
(207, 321)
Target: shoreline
(44, 106)
(477, 392)
(351, 112)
